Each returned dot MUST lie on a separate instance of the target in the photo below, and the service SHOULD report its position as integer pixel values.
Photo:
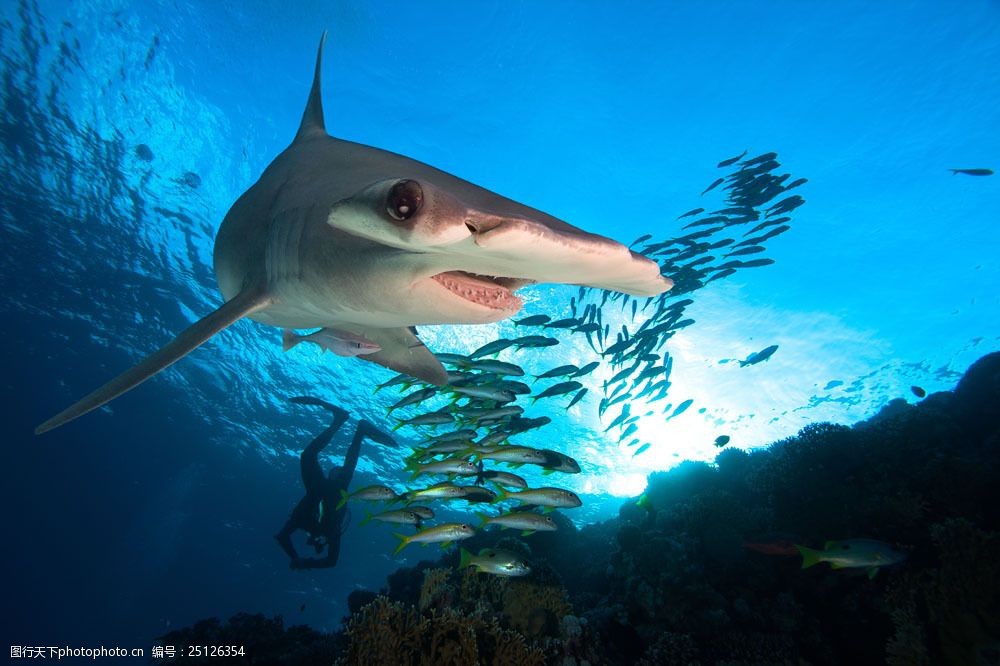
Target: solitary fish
(534, 341)
(972, 172)
(478, 494)
(587, 369)
(918, 391)
(732, 160)
(340, 343)
(491, 348)
(431, 419)
(512, 454)
(340, 235)
(496, 562)
(681, 408)
(457, 466)
(550, 497)
(691, 212)
(486, 392)
(758, 357)
(577, 398)
(453, 446)
(479, 415)
(560, 371)
(521, 520)
(533, 320)
(640, 239)
(370, 493)
(498, 367)
(503, 479)
(853, 553)
(718, 181)
(562, 388)
(397, 516)
(443, 534)
(569, 322)
(721, 440)
(444, 490)
(413, 398)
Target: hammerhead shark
(370, 243)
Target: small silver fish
(496, 562)
(340, 343)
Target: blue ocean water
(159, 508)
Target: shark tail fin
(244, 303)
(312, 124)
(289, 339)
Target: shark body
(345, 236)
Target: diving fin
(241, 305)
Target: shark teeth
(486, 290)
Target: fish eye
(404, 200)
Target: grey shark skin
(341, 235)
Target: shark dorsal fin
(312, 118)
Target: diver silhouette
(316, 512)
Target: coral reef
(949, 612)
(536, 610)
(705, 571)
(393, 634)
(266, 641)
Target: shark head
(461, 252)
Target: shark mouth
(489, 291)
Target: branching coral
(950, 613)
(532, 608)
(435, 591)
(393, 634)
(962, 600)
(908, 645)
(265, 640)
(671, 648)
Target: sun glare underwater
(814, 180)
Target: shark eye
(404, 200)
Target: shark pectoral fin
(403, 351)
(241, 305)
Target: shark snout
(550, 250)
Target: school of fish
(478, 418)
